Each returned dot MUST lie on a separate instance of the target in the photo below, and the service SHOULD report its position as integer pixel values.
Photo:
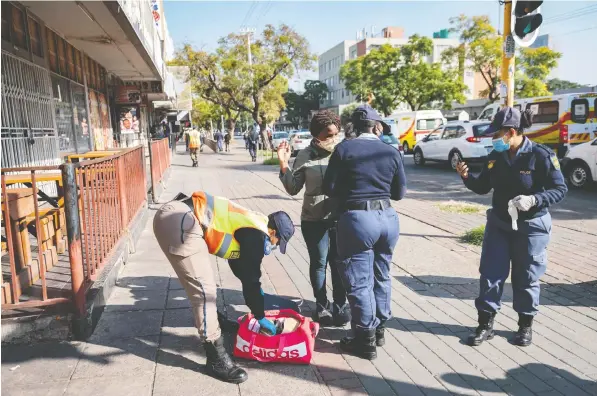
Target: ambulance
(411, 126)
(559, 121)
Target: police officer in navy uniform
(527, 174)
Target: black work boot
(524, 335)
(341, 314)
(323, 315)
(380, 338)
(361, 345)
(484, 331)
(227, 325)
(220, 365)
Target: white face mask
(328, 144)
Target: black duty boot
(524, 335)
(341, 314)
(361, 345)
(323, 315)
(380, 337)
(220, 365)
(484, 331)
(227, 325)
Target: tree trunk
(231, 125)
(264, 136)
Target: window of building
(70, 60)
(353, 54)
(545, 112)
(78, 66)
(6, 28)
(35, 38)
(61, 50)
(579, 111)
(52, 55)
(19, 33)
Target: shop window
(78, 66)
(6, 12)
(19, 33)
(545, 112)
(61, 44)
(37, 48)
(579, 111)
(52, 55)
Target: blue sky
(326, 24)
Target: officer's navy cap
(367, 113)
(507, 117)
(284, 228)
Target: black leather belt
(376, 204)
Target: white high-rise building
(331, 60)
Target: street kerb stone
(118, 357)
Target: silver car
(299, 141)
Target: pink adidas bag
(296, 347)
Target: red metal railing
(161, 157)
(97, 201)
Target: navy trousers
(526, 249)
(366, 241)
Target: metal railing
(97, 200)
(161, 157)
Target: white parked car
(579, 165)
(279, 137)
(299, 141)
(454, 142)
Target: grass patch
(461, 207)
(474, 236)
(271, 161)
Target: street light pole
(507, 71)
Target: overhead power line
(581, 12)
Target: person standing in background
(253, 138)
(219, 139)
(364, 174)
(319, 214)
(202, 137)
(227, 141)
(193, 140)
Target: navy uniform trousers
(526, 249)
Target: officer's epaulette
(544, 149)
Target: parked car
(279, 137)
(299, 141)
(392, 141)
(454, 142)
(580, 164)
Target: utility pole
(507, 71)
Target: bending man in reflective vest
(188, 229)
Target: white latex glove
(524, 202)
(513, 212)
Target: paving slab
(128, 324)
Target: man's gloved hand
(524, 202)
(267, 326)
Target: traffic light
(526, 20)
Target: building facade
(331, 60)
(78, 76)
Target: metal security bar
(28, 130)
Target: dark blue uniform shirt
(534, 171)
(364, 169)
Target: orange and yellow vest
(194, 137)
(220, 218)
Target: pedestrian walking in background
(319, 214)
(193, 138)
(246, 139)
(202, 137)
(188, 230)
(219, 140)
(364, 174)
(167, 134)
(528, 175)
(227, 141)
(253, 138)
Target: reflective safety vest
(220, 218)
(194, 138)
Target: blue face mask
(499, 145)
(268, 247)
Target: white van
(410, 127)
(560, 121)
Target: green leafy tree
(481, 48)
(555, 84)
(226, 78)
(402, 75)
(300, 106)
(533, 68)
(346, 113)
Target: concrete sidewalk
(145, 342)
